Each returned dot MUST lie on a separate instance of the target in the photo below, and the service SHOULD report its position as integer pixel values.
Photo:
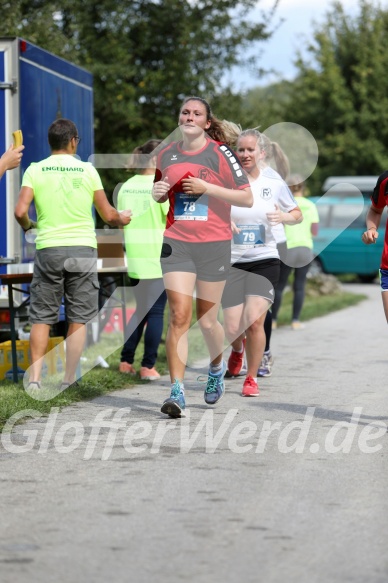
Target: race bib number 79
(250, 236)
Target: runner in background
(379, 201)
(255, 259)
(201, 178)
(272, 152)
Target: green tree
(265, 106)
(341, 92)
(145, 54)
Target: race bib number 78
(190, 207)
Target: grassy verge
(99, 381)
(315, 307)
(96, 382)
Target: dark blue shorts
(384, 279)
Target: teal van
(342, 210)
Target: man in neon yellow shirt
(64, 190)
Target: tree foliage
(145, 54)
(341, 92)
(264, 106)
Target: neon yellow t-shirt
(63, 194)
(144, 234)
(300, 235)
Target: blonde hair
(272, 151)
(232, 131)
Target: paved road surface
(291, 486)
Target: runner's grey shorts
(209, 261)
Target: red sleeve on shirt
(379, 197)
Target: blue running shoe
(175, 404)
(215, 387)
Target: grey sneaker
(215, 386)
(65, 385)
(34, 385)
(265, 367)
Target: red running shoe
(250, 388)
(149, 374)
(235, 361)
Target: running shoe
(215, 386)
(127, 368)
(296, 325)
(250, 388)
(175, 404)
(235, 361)
(149, 374)
(65, 385)
(33, 385)
(265, 367)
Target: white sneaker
(265, 367)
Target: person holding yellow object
(11, 159)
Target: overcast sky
(280, 51)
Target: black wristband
(32, 225)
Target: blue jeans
(301, 256)
(151, 300)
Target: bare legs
(248, 319)
(75, 342)
(384, 296)
(38, 345)
(208, 303)
(180, 287)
